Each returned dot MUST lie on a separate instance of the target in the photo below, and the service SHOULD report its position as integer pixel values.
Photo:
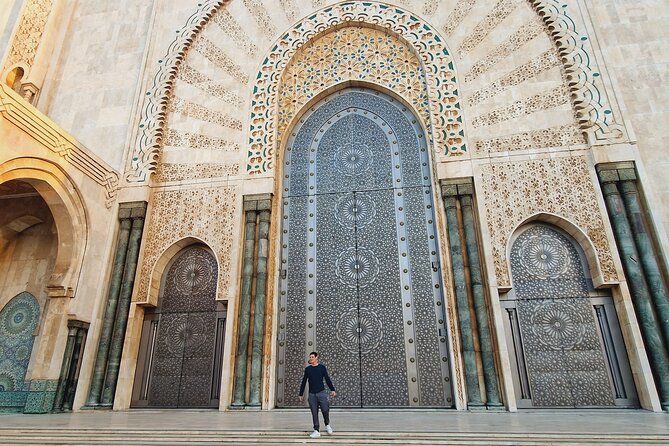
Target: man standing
(318, 396)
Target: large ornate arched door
(181, 349)
(360, 281)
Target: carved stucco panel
(515, 191)
(207, 214)
(352, 53)
(29, 32)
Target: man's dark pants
(319, 399)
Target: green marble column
(259, 305)
(72, 377)
(493, 397)
(644, 245)
(245, 306)
(640, 294)
(110, 310)
(462, 302)
(125, 295)
(65, 369)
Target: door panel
(559, 348)
(178, 364)
(359, 282)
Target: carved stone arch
(582, 76)
(447, 120)
(162, 265)
(585, 244)
(589, 100)
(445, 112)
(69, 214)
(356, 51)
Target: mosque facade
(459, 204)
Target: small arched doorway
(181, 348)
(563, 335)
(359, 281)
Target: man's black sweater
(315, 375)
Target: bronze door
(360, 281)
(181, 348)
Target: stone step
(9, 436)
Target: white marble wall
(634, 40)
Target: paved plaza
(351, 427)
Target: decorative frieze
(167, 172)
(430, 7)
(201, 113)
(216, 55)
(261, 16)
(290, 9)
(193, 77)
(559, 136)
(520, 37)
(178, 138)
(522, 73)
(542, 101)
(232, 28)
(462, 8)
(498, 13)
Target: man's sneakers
(316, 434)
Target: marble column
(65, 368)
(241, 360)
(492, 389)
(125, 295)
(637, 282)
(102, 354)
(259, 304)
(649, 261)
(73, 375)
(462, 301)
(68, 371)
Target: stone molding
(583, 77)
(154, 111)
(49, 134)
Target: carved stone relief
(352, 53)
(207, 214)
(29, 32)
(514, 191)
(446, 119)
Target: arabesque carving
(446, 116)
(514, 191)
(29, 32)
(352, 53)
(592, 106)
(207, 214)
